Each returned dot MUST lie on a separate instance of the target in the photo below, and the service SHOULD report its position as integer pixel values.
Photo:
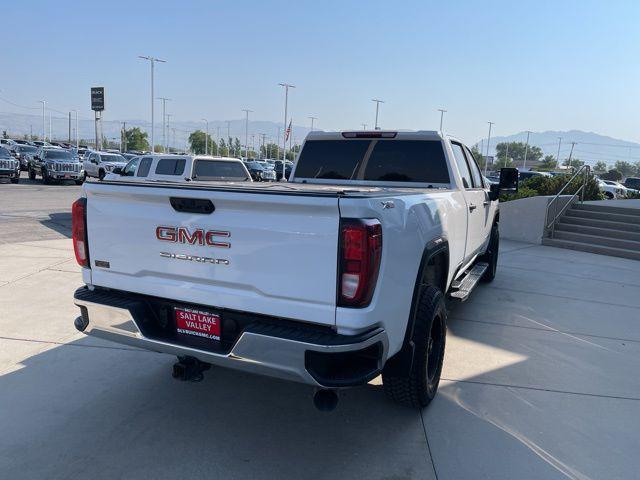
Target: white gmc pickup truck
(330, 279)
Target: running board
(462, 288)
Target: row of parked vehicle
(56, 162)
(611, 189)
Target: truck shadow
(89, 409)
(59, 222)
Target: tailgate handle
(192, 205)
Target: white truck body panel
(282, 260)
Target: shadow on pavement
(85, 411)
(59, 222)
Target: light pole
(442, 112)
(164, 133)
(312, 119)
(364, 126)
(218, 144)
(152, 61)
(44, 121)
(246, 132)
(486, 162)
(378, 102)
(168, 148)
(206, 137)
(559, 143)
(526, 150)
(286, 105)
(77, 135)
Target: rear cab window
(374, 161)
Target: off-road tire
(32, 174)
(420, 385)
(45, 177)
(491, 255)
(101, 174)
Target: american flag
(287, 132)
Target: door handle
(472, 207)
(485, 203)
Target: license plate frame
(194, 323)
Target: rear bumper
(296, 353)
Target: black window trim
(470, 159)
(462, 147)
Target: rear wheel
(32, 174)
(45, 177)
(491, 255)
(419, 386)
(101, 174)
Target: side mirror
(117, 170)
(508, 183)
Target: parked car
(610, 191)
(23, 153)
(22, 141)
(277, 166)
(173, 168)
(331, 280)
(632, 182)
(260, 171)
(98, 164)
(625, 191)
(55, 164)
(9, 166)
(526, 174)
(7, 143)
(40, 143)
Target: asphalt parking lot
(540, 381)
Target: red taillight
(79, 231)
(360, 253)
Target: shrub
(535, 186)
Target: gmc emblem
(195, 237)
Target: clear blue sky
(544, 65)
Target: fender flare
(402, 362)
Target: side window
(145, 166)
(170, 166)
(475, 170)
(461, 161)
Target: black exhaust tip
(325, 400)
(81, 323)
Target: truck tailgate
(281, 259)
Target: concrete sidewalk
(539, 382)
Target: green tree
(626, 169)
(614, 175)
(136, 139)
(548, 163)
(575, 163)
(503, 162)
(198, 141)
(237, 149)
(475, 151)
(517, 150)
(271, 150)
(222, 148)
(600, 166)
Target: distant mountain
(590, 147)
(17, 125)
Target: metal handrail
(585, 169)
